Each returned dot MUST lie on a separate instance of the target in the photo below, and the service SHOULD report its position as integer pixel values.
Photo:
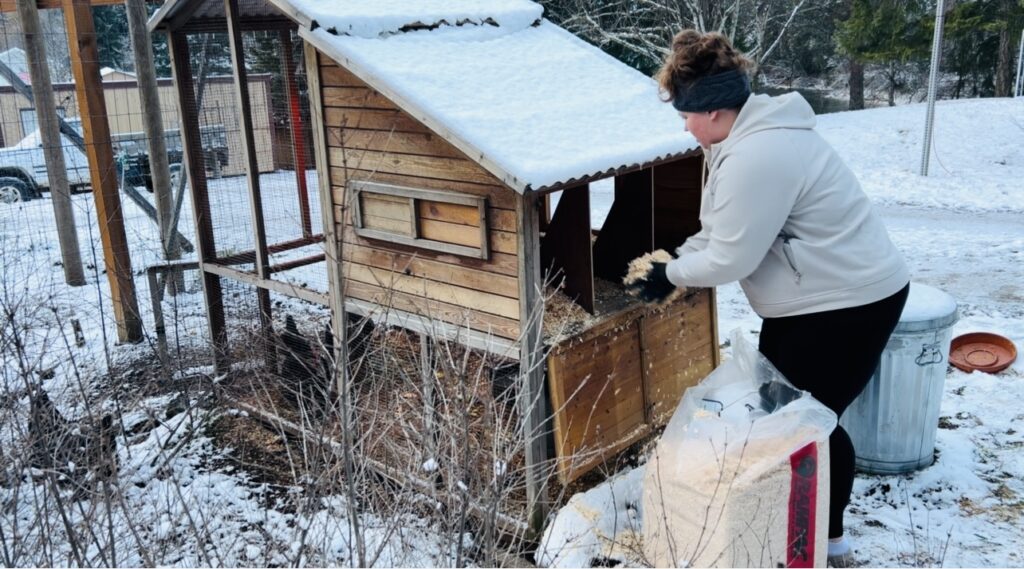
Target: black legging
(833, 355)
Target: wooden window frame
(414, 195)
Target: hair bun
(695, 55)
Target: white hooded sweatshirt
(786, 217)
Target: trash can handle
(930, 354)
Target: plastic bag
(740, 477)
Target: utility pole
(933, 80)
(154, 128)
(53, 149)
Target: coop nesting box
(442, 131)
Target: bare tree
(57, 55)
(641, 31)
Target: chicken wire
(33, 262)
(28, 232)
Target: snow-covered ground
(962, 230)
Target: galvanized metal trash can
(894, 420)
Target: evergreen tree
(112, 37)
(982, 46)
(161, 52)
(1009, 21)
(892, 34)
(970, 50)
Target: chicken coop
(461, 152)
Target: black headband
(725, 90)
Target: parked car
(133, 155)
(23, 172)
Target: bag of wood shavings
(740, 477)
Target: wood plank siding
(369, 139)
(614, 383)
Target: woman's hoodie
(786, 217)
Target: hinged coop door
(616, 382)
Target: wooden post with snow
(49, 132)
(92, 107)
(153, 126)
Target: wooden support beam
(628, 230)
(252, 170)
(332, 244)
(296, 263)
(12, 5)
(153, 126)
(296, 127)
(253, 279)
(49, 131)
(566, 249)
(92, 108)
(250, 256)
(195, 164)
(388, 315)
(533, 396)
(676, 201)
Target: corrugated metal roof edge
(557, 186)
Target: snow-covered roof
(17, 60)
(374, 18)
(108, 71)
(529, 101)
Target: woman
(783, 214)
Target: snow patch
(926, 303)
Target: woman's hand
(654, 286)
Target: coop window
(430, 219)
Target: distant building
(124, 109)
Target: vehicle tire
(14, 190)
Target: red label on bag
(803, 500)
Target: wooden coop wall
(621, 378)
(369, 139)
(616, 382)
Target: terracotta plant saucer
(982, 351)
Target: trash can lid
(927, 308)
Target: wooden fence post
(252, 170)
(533, 393)
(92, 107)
(189, 104)
(153, 126)
(53, 147)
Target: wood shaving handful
(641, 266)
